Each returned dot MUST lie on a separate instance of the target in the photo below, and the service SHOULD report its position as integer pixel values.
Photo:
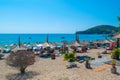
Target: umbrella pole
(117, 42)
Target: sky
(56, 16)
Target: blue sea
(33, 38)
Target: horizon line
(37, 33)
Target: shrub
(70, 56)
(115, 53)
(21, 59)
(113, 62)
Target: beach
(60, 40)
(47, 69)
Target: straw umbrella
(77, 37)
(118, 39)
(76, 42)
(47, 43)
(106, 41)
(19, 42)
(19, 47)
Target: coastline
(8, 39)
(47, 69)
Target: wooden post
(117, 42)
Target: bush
(21, 59)
(115, 53)
(70, 56)
(113, 62)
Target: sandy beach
(47, 69)
(59, 39)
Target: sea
(7, 39)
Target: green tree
(118, 18)
(119, 24)
(115, 53)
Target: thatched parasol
(76, 44)
(18, 49)
(106, 41)
(117, 36)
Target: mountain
(100, 29)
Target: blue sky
(56, 16)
